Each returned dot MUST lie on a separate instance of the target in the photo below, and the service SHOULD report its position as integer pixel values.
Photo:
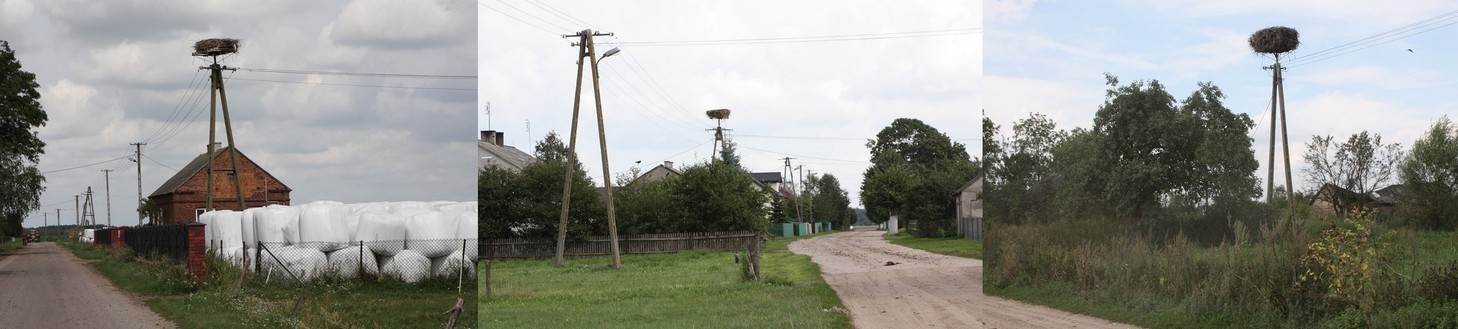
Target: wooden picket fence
(627, 244)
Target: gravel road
(45, 286)
(889, 286)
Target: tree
(1362, 164)
(729, 154)
(152, 212)
(830, 201)
(717, 197)
(647, 207)
(1151, 152)
(497, 201)
(914, 172)
(539, 195)
(20, 146)
(1020, 170)
(1430, 178)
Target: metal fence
(168, 240)
(627, 244)
(407, 260)
(103, 237)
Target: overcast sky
(821, 101)
(118, 72)
(1049, 57)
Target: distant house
(658, 172)
(184, 196)
(1332, 199)
(969, 208)
(772, 183)
(491, 150)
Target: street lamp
(609, 53)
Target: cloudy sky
(817, 101)
(1049, 57)
(119, 72)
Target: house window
(198, 214)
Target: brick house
(184, 196)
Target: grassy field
(947, 246)
(327, 303)
(10, 245)
(1253, 279)
(694, 289)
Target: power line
(83, 166)
(805, 39)
(159, 163)
(803, 137)
(353, 85)
(1443, 20)
(559, 27)
(358, 74)
(517, 19)
(802, 156)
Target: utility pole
(219, 96)
(108, 196)
(811, 206)
(88, 211)
(140, 199)
(718, 116)
(587, 50)
(488, 115)
(800, 211)
(78, 210)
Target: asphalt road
(45, 286)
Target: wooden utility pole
(586, 50)
(218, 96)
(108, 196)
(799, 210)
(140, 199)
(1278, 104)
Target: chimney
(488, 135)
(500, 138)
(668, 164)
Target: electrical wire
(1389, 36)
(806, 39)
(159, 162)
(85, 165)
(357, 74)
(353, 85)
(517, 19)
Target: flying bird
(1409, 50)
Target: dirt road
(45, 286)
(921, 289)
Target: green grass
(692, 289)
(11, 245)
(959, 247)
(328, 303)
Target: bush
(1439, 284)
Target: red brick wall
(180, 206)
(197, 266)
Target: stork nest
(719, 114)
(215, 47)
(1275, 40)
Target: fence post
(754, 256)
(359, 270)
(196, 251)
(490, 253)
(257, 252)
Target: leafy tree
(717, 197)
(1362, 164)
(647, 207)
(915, 169)
(1021, 169)
(1430, 178)
(539, 195)
(1152, 151)
(152, 212)
(20, 146)
(829, 201)
(498, 197)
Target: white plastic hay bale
(347, 262)
(383, 233)
(375, 206)
(248, 220)
(346, 224)
(228, 228)
(396, 207)
(430, 234)
(270, 223)
(467, 227)
(88, 235)
(452, 264)
(233, 255)
(456, 207)
(407, 265)
(317, 227)
(306, 263)
(207, 220)
(409, 212)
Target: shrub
(1439, 283)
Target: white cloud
(400, 24)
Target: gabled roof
(508, 157)
(975, 185)
(767, 177)
(657, 173)
(198, 164)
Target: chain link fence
(410, 261)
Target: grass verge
(692, 289)
(11, 245)
(947, 246)
(328, 302)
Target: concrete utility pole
(800, 211)
(587, 50)
(78, 210)
(108, 196)
(811, 206)
(140, 199)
